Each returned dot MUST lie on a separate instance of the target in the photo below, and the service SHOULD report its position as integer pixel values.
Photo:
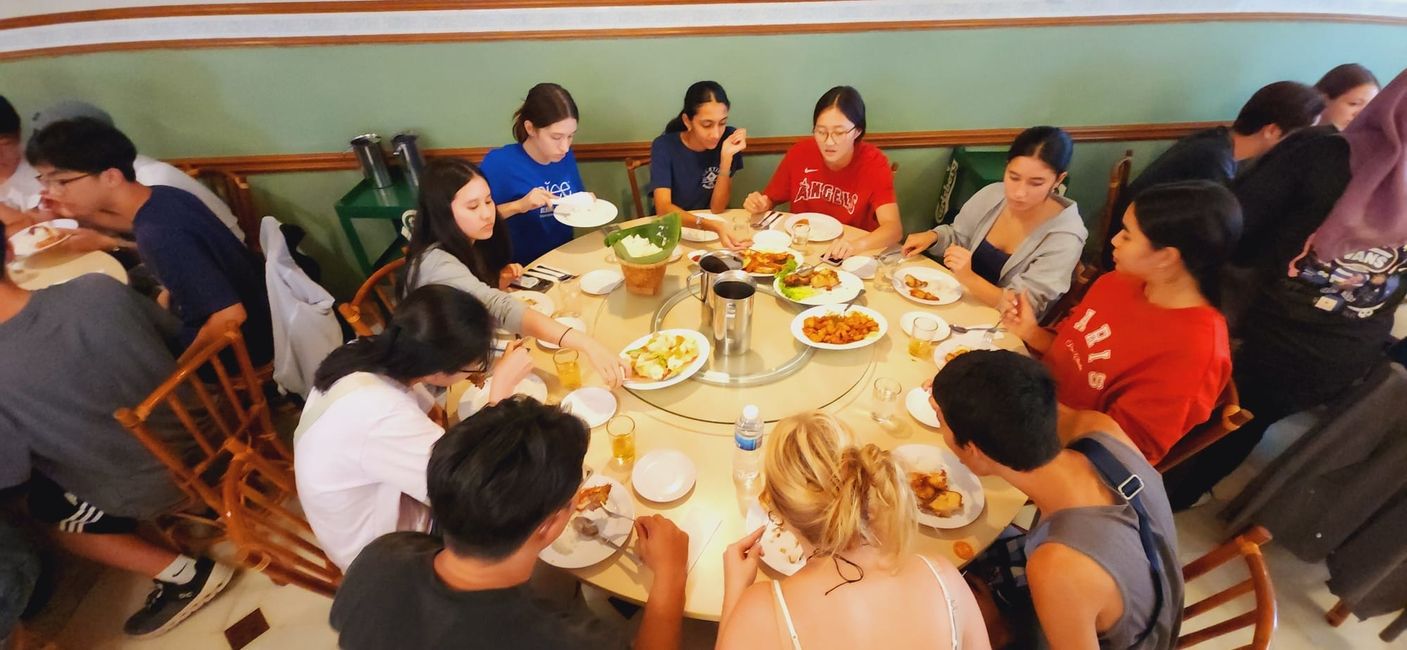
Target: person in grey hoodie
(1019, 234)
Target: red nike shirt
(851, 194)
(1158, 372)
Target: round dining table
(696, 417)
(56, 267)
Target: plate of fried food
(958, 346)
(664, 358)
(42, 236)
(949, 495)
(926, 286)
(818, 285)
(607, 505)
(829, 328)
(767, 263)
(781, 550)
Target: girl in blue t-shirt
(688, 160)
(526, 176)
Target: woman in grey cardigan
(1018, 234)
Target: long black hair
(1201, 219)
(1344, 78)
(545, 105)
(850, 104)
(1050, 144)
(435, 224)
(436, 328)
(702, 92)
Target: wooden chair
(224, 419)
(1081, 278)
(1262, 617)
(370, 309)
(269, 536)
(632, 164)
(234, 190)
(1118, 183)
(1227, 417)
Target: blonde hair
(834, 492)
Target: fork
(991, 333)
(560, 274)
(774, 216)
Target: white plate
(823, 226)
(917, 403)
(601, 281)
(570, 321)
(570, 551)
(599, 213)
(939, 282)
(928, 458)
(663, 475)
(970, 340)
(771, 241)
(695, 255)
(850, 286)
(31, 240)
(688, 371)
(678, 253)
(795, 255)
(592, 404)
(776, 541)
(800, 321)
(474, 398)
(536, 301)
(699, 234)
(906, 323)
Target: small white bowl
(601, 281)
(863, 266)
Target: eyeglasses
(54, 185)
(825, 136)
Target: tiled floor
(298, 618)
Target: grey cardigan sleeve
(1046, 276)
(969, 220)
(439, 267)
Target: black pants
(1270, 396)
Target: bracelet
(698, 221)
(563, 337)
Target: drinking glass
(921, 336)
(621, 430)
(800, 236)
(569, 295)
(884, 272)
(568, 368)
(886, 399)
(742, 227)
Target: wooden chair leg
(1338, 614)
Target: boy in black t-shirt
(501, 485)
(85, 166)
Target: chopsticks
(548, 273)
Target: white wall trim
(470, 21)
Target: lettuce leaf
(792, 293)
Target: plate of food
(605, 503)
(767, 263)
(41, 237)
(664, 358)
(536, 301)
(949, 495)
(584, 210)
(830, 328)
(781, 550)
(821, 285)
(474, 397)
(926, 286)
(823, 226)
(958, 346)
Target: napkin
(701, 527)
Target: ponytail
(834, 493)
(362, 355)
(1201, 219)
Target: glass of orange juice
(621, 430)
(568, 368)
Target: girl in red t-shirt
(838, 174)
(1147, 345)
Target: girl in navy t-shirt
(688, 161)
(526, 176)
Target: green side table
(377, 204)
(971, 169)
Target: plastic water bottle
(747, 457)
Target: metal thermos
(710, 266)
(367, 147)
(406, 147)
(732, 312)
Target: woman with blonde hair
(862, 587)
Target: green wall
(305, 99)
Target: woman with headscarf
(1325, 226)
